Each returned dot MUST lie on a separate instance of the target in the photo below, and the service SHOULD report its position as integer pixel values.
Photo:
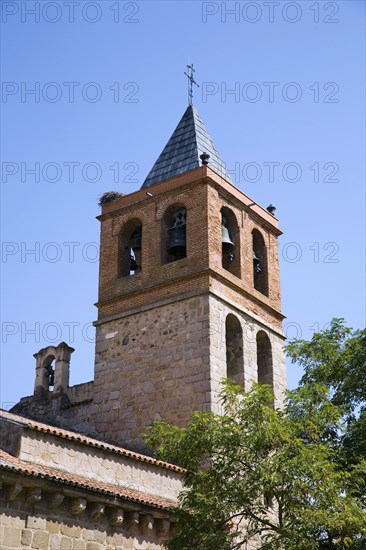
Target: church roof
(14, 464)
(182, 152)
(83, 439)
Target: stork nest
(109, 196)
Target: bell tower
(189, 292)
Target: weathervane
(191, 81)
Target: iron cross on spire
(191, 81)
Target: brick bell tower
(189, 292)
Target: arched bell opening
(129, 249)
(234, 350)
(174, 234)
(260, 263)
(230, 242)
(48, 372)
(264, 359)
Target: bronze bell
(256, 263)
(50, 375)
(136, 239)
(133, 264)
(227, 244)
(177, 241)
(51, 379)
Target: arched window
(234, 350)
(264, 359)
(130, 245)
(230, 238)
(49, 372)
(260, 264)
(174, 234)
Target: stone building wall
(250, 326)
(71, 407)
(169, 361)
(103, 466)
(151, 365)
(37, 528)
(63, 491)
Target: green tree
(280, 477)
(336, 358)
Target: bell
(256, 262)
(133, 264)
(136, 239)
(51, 379)
(227, 244)
(50, 375)
(177, 241)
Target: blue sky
(281, 92)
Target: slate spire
(182, 152)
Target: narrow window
(264, 359)
(230, 241)
(234, 350)
(174, 234)
(260, 265)
(130, 246)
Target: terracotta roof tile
(11, 463)
(76, 436)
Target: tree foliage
(336, 358)
(281, 477)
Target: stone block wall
(70, 408)
(63, 491)
(150, 365)
(39, 528)
(101, 465)
(170, 360)
(250, 325)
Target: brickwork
(203, 199)
(151, 211)
(233, 293)
(247, 221)
(180, 283)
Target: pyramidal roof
(182, 152)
